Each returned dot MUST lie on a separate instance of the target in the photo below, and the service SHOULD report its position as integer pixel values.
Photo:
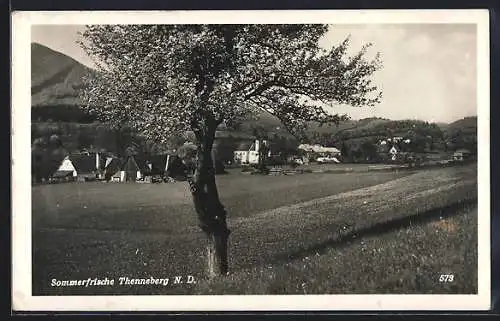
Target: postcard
(250, 160)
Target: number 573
(446, 278)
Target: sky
(429, 70)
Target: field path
(297, 230)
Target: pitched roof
(142, 162)
(159, 162)
(84, 164)
(131, 165)
(318, 148)
(114, 166)
(108, 161)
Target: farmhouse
(65, 171)
(134, 169)
(249, 153)
(112, 169)
(314, 151)
(321, 150)
(165, 165)
(158, 164)
(127, 170)
(394, 140)
(137, 168)
(242, 152)
(80, 167)
(394, 151)
(118, 176)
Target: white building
(332, 151)
(83, 166)
(249, 156)
(393, 152)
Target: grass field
(358, 232)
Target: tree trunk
(217, 254)
(210, 211)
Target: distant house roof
(142, 162)
(158, 163)
(108, 161)
(393, 149)
(131, 165)
(135, 163)
(113, 166)
(318, 148)
(330, 150)
(462, 151)
(84, 163)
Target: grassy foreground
(337, 233)
(409, 259)
(396, 237)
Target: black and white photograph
(283, 160)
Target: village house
(165, 165)
(242, 152)
(389, 148)
(248, 153)
(112, 170)
(139, 168)
(134, 169)
(318, 151)
(158, 164)
(119, 170)
(80, 167)
(393, 152)
(393, 140)
(96, 166)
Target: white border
(21, 178)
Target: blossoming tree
(163, 80)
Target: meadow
(354, 232)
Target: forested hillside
(55, 80)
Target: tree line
(361, 144)
(51, 142)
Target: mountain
(55, 79)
